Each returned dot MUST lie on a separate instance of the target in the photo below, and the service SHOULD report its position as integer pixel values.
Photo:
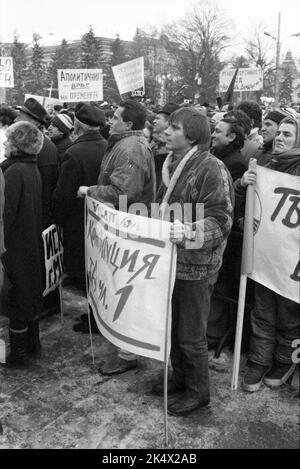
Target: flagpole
(246, 268)
(86, 279)
(168, 323)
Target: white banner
(53, 253)
(48, 103)
(277, 232)
(247, 79)
(131, 266)
(80, 85)
(6, 72)
(130, 75)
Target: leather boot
(175, 385)
(187, 403)
(18, 357)
(34, 346)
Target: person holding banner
(22, 230)
(193, 178)
(275, 319)
(127, 170)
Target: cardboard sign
(131, 267)
(6, 72)
(276, 263)
(80, 85)
(53, 253)
(130, 76)
(247, 79)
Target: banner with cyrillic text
(130, 75)
(80, 85)
(53, 254)
(131, 267)
(6, 72)
(277, 232)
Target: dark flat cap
(90, 115)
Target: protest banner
(130, 265)
(6, 72)
(80, 85)
(129, 77)
(247, 79)
(277, 233)
(274, 217)
(53, 254)
(48, 103)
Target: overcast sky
(71, 18)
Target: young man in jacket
(195, 178)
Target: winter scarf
(288, 162)
(170, 181)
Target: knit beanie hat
(63, 122)
(26, 137)
(275, 116)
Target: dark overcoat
(80, 167)
(47, 162)
(22, 234)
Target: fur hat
(7, 111)
(89, 114)
(63, 122)
(26, 137)
(34, 109)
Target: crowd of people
(178, 154)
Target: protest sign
(247, 79)
(80, 85)
(130, 76)
(276, 262)
(6, 72)
(53, 254)
(130, 265)
(48, 103)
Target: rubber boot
(33, 345)
(18, 357)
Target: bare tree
(260, 51)
(258, 48)
(196, 43)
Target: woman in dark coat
(22, 233)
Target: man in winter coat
(226, 142)
(80, 166)
(22, 230)
(127, 169)
(193, 176)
